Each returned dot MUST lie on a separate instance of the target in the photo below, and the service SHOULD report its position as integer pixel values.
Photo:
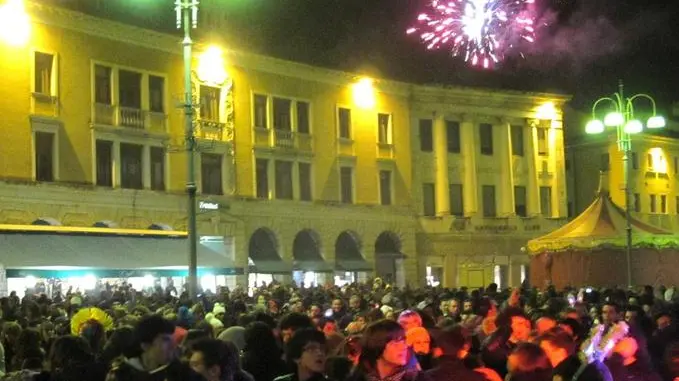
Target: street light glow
(655, 122)
(614, 119)
(211, 67)
(15, 26)
(364, 93)
(633, 127)
(594, 127)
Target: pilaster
(441, 158)
(469, 149)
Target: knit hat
(218, 309)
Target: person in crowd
(454, 347)
(153, 357)
(513, 328)
(215, 361)
(71, 359)
(561, 350)
(419, 340)
(528, 362)
(306, 355)
(262, 355)
(384, 355)
(291, 323)
(409, 319)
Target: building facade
(654, 171)
(303, 173)
(490, 177)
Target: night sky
(583, 47)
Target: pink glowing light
(481, 31)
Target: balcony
(285, 140)
(129, 118)
(345, 147)
(212, 130)
(385, 151)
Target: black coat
(453, 369)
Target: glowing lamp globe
(655, 122)
(211, 67)
(614, 119)
(594, 127)
(15, 25)
(633, 127)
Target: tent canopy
(602, 224)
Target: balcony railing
(283, 139)
(104, 114)
(385, 151)
(345, 147)
(212, 130)
(131, 117)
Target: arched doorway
(264, 259)
(389, 258)
(309, 266)
(350, 266)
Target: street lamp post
(622, 118)
(187, 18)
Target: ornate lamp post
(623, 120)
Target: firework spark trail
(480, 31)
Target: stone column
(469, 150)
(450, 270)
(146, 167)
(441, 158)
(506, 178)
(532, 159)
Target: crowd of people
(359, 332)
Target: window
(543, 146)
(344, 120)
(676, 204)
(426, 138)
(44, 73)
(129, 89)
(156, 94)
(283, 177)
(347, 185)
(517, 140)
(569, 207)
(157, 168)
(637, 202)
(262, 178)
(649, 162)
(130, 166)
(305, 182)
(385, 187)
(281, 114)
(302, 117)
(44, 156)
(663, 203)
(102, 84)
(653, 201)
(676, 165)
(384, 128)
(209, 103)
(635, 161)
(604, 162)
(546, 201)
(489, 207)
(486, 137)
(211, 173)
(453, 136)
(456, 200)
(428, 199)
(260, 111)
(104, 153)
(520, 201)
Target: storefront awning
(271, 267)
(113, 253)
(352, 265)
(313, 266)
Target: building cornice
(168, 43)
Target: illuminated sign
(204, 205)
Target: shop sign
(204, 205)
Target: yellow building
(301, 171)
(490, 177)
(654, 170)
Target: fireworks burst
(480, 31)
